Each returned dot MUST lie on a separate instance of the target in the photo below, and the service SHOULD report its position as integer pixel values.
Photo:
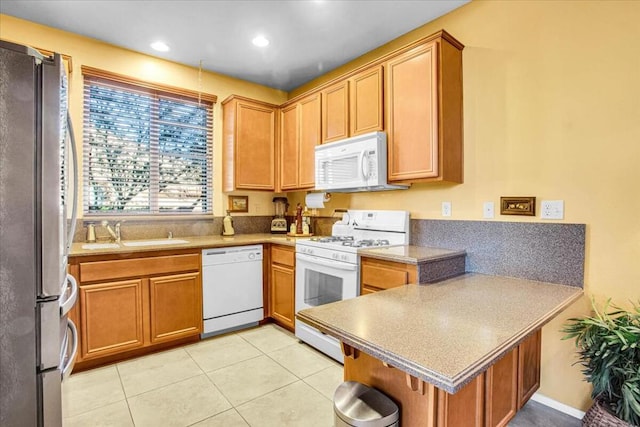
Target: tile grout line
(126, 399)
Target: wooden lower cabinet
(282, 286)
(490, 400)
(529, 356)
(133, 305)
(377, 275)
(175, 303)
(501, 389)
(111, 317)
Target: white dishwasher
(231, 288)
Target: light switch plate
(552, 209)
(446, 208)
(488, 210)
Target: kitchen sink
(100, 245)
(156, 242)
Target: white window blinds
(146, 150)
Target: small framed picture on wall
(238, 203)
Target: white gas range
(328, 268)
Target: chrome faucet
(115, 234)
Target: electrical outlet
(258, 208)
(488, 210)
(552, 209)
(446, 208)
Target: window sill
(146, 218)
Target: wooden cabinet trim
(442, 34)
(136, 267)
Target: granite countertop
(446, 333)
(409, 254)
(193, 242)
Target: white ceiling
(307, 37)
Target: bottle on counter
(227, 225)
(299, 229)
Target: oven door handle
(319, 261)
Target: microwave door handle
(364, 165)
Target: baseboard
(558, 406)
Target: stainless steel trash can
(358, 405)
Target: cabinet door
(335, 112)
(289, 147)
(309, 138)
(111, 317)
(501, 388)
(365, 99)
(411, 109)
(176, 306)
(283, 295)
(529, 367)
(377, 275)
(254, 147)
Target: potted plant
(608, 344)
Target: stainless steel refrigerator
(37, 341)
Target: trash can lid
(362, 406)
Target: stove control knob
(334, 256)
(344, 257)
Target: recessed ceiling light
(160, 46)
(260, 41)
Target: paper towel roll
(316, 200)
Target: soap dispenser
(227, 225)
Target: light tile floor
(257, 377)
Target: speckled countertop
(446, 333)
(193, 242)
(410, 254)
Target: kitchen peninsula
(462, 352)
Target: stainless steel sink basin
(100, 245)
(155, 242)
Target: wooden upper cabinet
(289, 147)
(353, 106)
(309, 138)
(365, 100)
(335, 112)
(249, 144)
(423, 112)
(299, 135)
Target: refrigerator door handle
(74, 163)
(68, 365)
(67, 304)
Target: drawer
(138, 267)
(283, 255)
(383, 278)
(380, 275)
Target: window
(147, 148)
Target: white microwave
(354, 164)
